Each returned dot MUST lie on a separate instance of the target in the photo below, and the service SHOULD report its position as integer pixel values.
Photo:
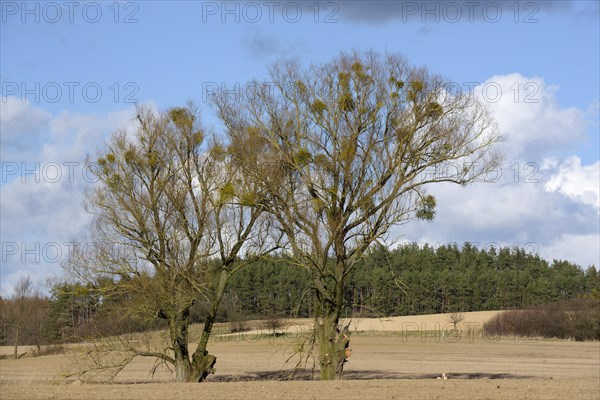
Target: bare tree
(18, 312)
(346, 150)
(169, 227)
(455, 319)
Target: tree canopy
(352, 144)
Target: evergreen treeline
(412, 280)
(408, 280)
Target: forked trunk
(202, 366)
(203, 363)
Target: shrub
(272, 324)
(577, 319)
(49, 350)
(238, 326)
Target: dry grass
(385, 364)
(376, 389)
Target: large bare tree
(347, 150)
(171, 217)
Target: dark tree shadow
(308, 375)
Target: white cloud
(549, 206)
(580, 249)
(580, 183)
(43, 185)
(505, 213)
(529, 115)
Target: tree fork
(202, 362)
(202, 366)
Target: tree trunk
(182, 360)
(202, 366)
(202, 362)
(17, 334)
(179, 327)
(333, 343)
(182, 370)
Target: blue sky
(72, 71)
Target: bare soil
(389, 361)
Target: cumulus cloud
(581, 249)
(504, 213)
(43, 185)
(530, 117)
(542, 200)
(580, 183)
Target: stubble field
(397, 358)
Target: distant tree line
(412, 280)
(407, 280)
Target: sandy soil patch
(387, 364)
